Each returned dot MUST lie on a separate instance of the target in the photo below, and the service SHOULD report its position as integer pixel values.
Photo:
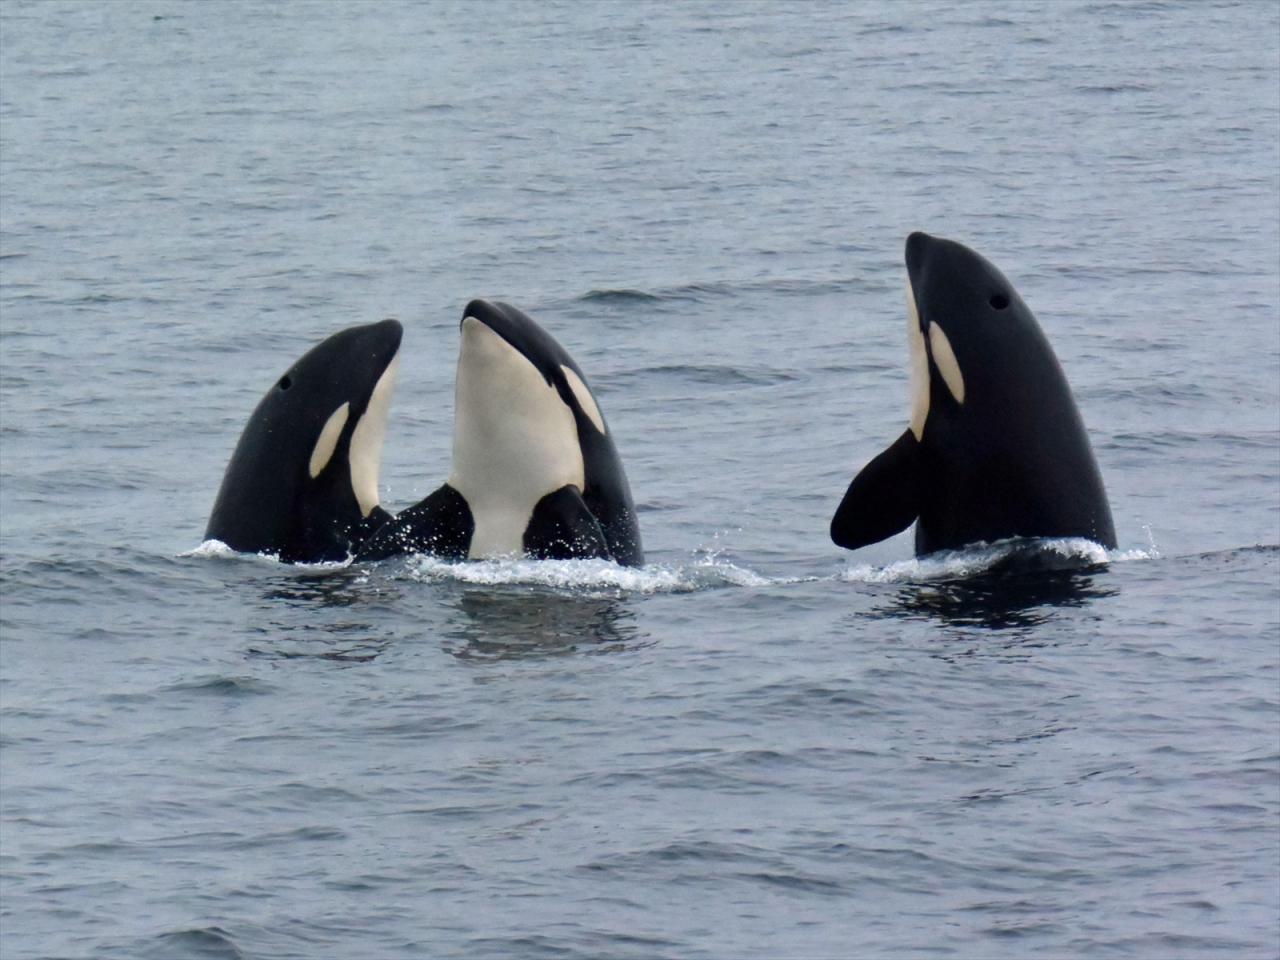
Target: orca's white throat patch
(514, 440)
(366, 439)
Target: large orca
(303, 481)
(535, 472)
(995, 447)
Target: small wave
(222, 686)
(713, 374)
(587, 575)
(1068, 553)
(203, 942)
(1116, 88)
(690, 292)
(1263, 549)
(619, 296)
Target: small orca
(995, 447)
(302, 483)
(535, 472)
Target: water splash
(210, 548)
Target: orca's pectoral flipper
(883, 499)
(440, 525)
(562, 528)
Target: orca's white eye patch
(366, 440)
(328, 440)
(919, 366)
(585, 400)
(944, 359)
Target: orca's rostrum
(995, 447)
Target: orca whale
(535, 472)
(995, 447)
(302, 483)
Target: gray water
(758, 744)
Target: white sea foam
(711, 572)
(210, 548)
(573, 575)
(1043, 554)
(587, 575)
(216, 549)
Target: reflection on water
(345, 642)
(300, 631)
(501, 625)
(998, 599)
(332, 587)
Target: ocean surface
(757, 745)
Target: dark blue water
(758, 744)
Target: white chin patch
(944, 359)
(918, 357)
(322, 453)
(585, 400)
(366, 439)
(514, 440)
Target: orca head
(541, 349)
(962, 312)
(995, 446)
(303, 481)
(520, 404)
(535, 472)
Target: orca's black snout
(918, 244)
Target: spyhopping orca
(303, 481)
(535, 472)
(995, 447)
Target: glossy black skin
(268, 502)
(559, 528)
(441, 525)
(1013, 460)
(562, 528)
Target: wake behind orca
(995, 447)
